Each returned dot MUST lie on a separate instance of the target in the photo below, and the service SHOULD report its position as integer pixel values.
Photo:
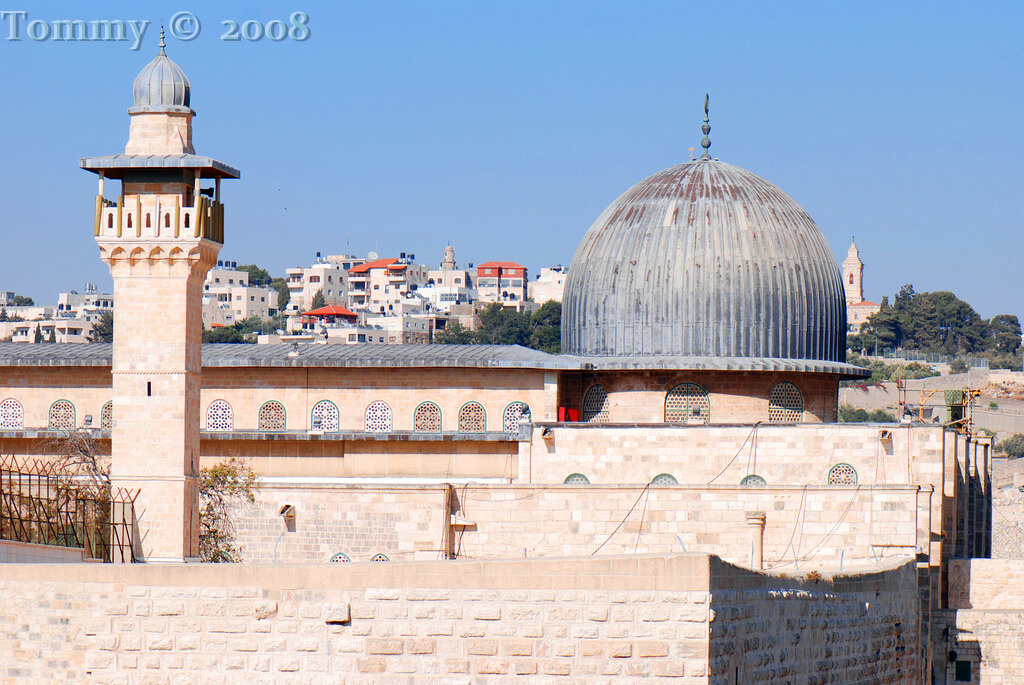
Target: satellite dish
(372, 256)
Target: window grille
(219, 416)
(379, 557)
(272, 416)
(595, 405)
(12, 414)
(785, 404)
(687, 403)
(576, 479)
(842, 474)
(378, 417)
(107, 415)
(753, 481)
(62, 415)
(664, 479)
(340, 557)
(514, 413)
(427, 418)
(472, 418)
(325, 416)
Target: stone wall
(616, 617)
(12, 552)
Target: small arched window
(107, 415)
(427, 418)
(472, 418)
(149, 222)
(687, 403)
(378, 417)
(379, 557)
(186, 220)
(62, 415)
(219, 416)
(753, 481)
(340, 557)
(272, 416)
(167, 220)
(595, 405)
(664, 479)
(785, 403)
(514, 413)
(851, 279)
(12, 414)
(576, 479)
(842, 474)
(129, 219)
(324, 416)
(110, 220)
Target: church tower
(853, 276)
(159, 230)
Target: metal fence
(934, 358)
(41, 503)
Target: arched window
(219, 416)
(664, 479)
(472, 418)
(324, 416)
(107, 415)
(576, 479)
(110, 220)
(62, 415)
(427, 418)
(129, 219)
(514, 413)
(595, 405)
(379, 557)
(785, 404)
(186, 220)
(851, 279)
(149, 221)
(687, 403)
(12, 414)
(272, 416)
(377, 418)
(167, 220)
(340, 557)
(842, 474)
(753, 481)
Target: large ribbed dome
(704, 259)
(161, 84)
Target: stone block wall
(12, 552)
(618, 618)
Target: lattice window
(753, 481)
(340, 557)
(842, 474)
(62, 415)
(379, 557)
(514, 413)
(378, 417)
(12, 414)
(576, 479)
(325, 416)
(595, 405)
(219, 416)
(272, 416)
(687, 403)
(664, 479)
(472, 418)
(107, 415)
(785, 404)
(427, 418)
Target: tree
(52, 338)
(546, 328)
(21, 301)
(224, 334)
(1013, 446)
(38, 337)
(3, 314)
(222, 487)
(283, 293)
(958, 365)
(848, 414)
(256, 274)
(501, 325)
(1005, 333)
(454, 334)
(318, 300)
(103, 329)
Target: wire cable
(646, 487)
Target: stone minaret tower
(448, 259)
(159, 232)
(853, 276)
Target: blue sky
(506, 128)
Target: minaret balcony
(134, 217)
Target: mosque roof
(115, 166)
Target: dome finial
(706, 129)
(162, 46)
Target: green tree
(52, 338)
(546, 328)
(225, 334)
(848, 414)
(454, 334)
(3, 314)
(318, 300)
(222, 487)
(103, 329)
(958, 365)
(38, 337)
(21, 301)
(503, 326)
(256, 274)
(1005, 333)
(283, 294)
(1013, 446)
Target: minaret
(448, 259)
(159, 232)
(853, 275)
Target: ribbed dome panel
(704, 259)
(161, 83)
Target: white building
(548, 286)
(229, 298)
(329, 275)
(380, 286)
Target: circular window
(842, 474)
(340, 557)
(753, 481)
(664, 479)
(576, 479)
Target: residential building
(380, 286)
(229, 298)
(448, 285)
(548, 286)
(501, 282)
(329, 276)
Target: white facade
(228, 298)
(548, 286)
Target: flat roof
(115, 166)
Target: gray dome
(161, 85)
(704, 260)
